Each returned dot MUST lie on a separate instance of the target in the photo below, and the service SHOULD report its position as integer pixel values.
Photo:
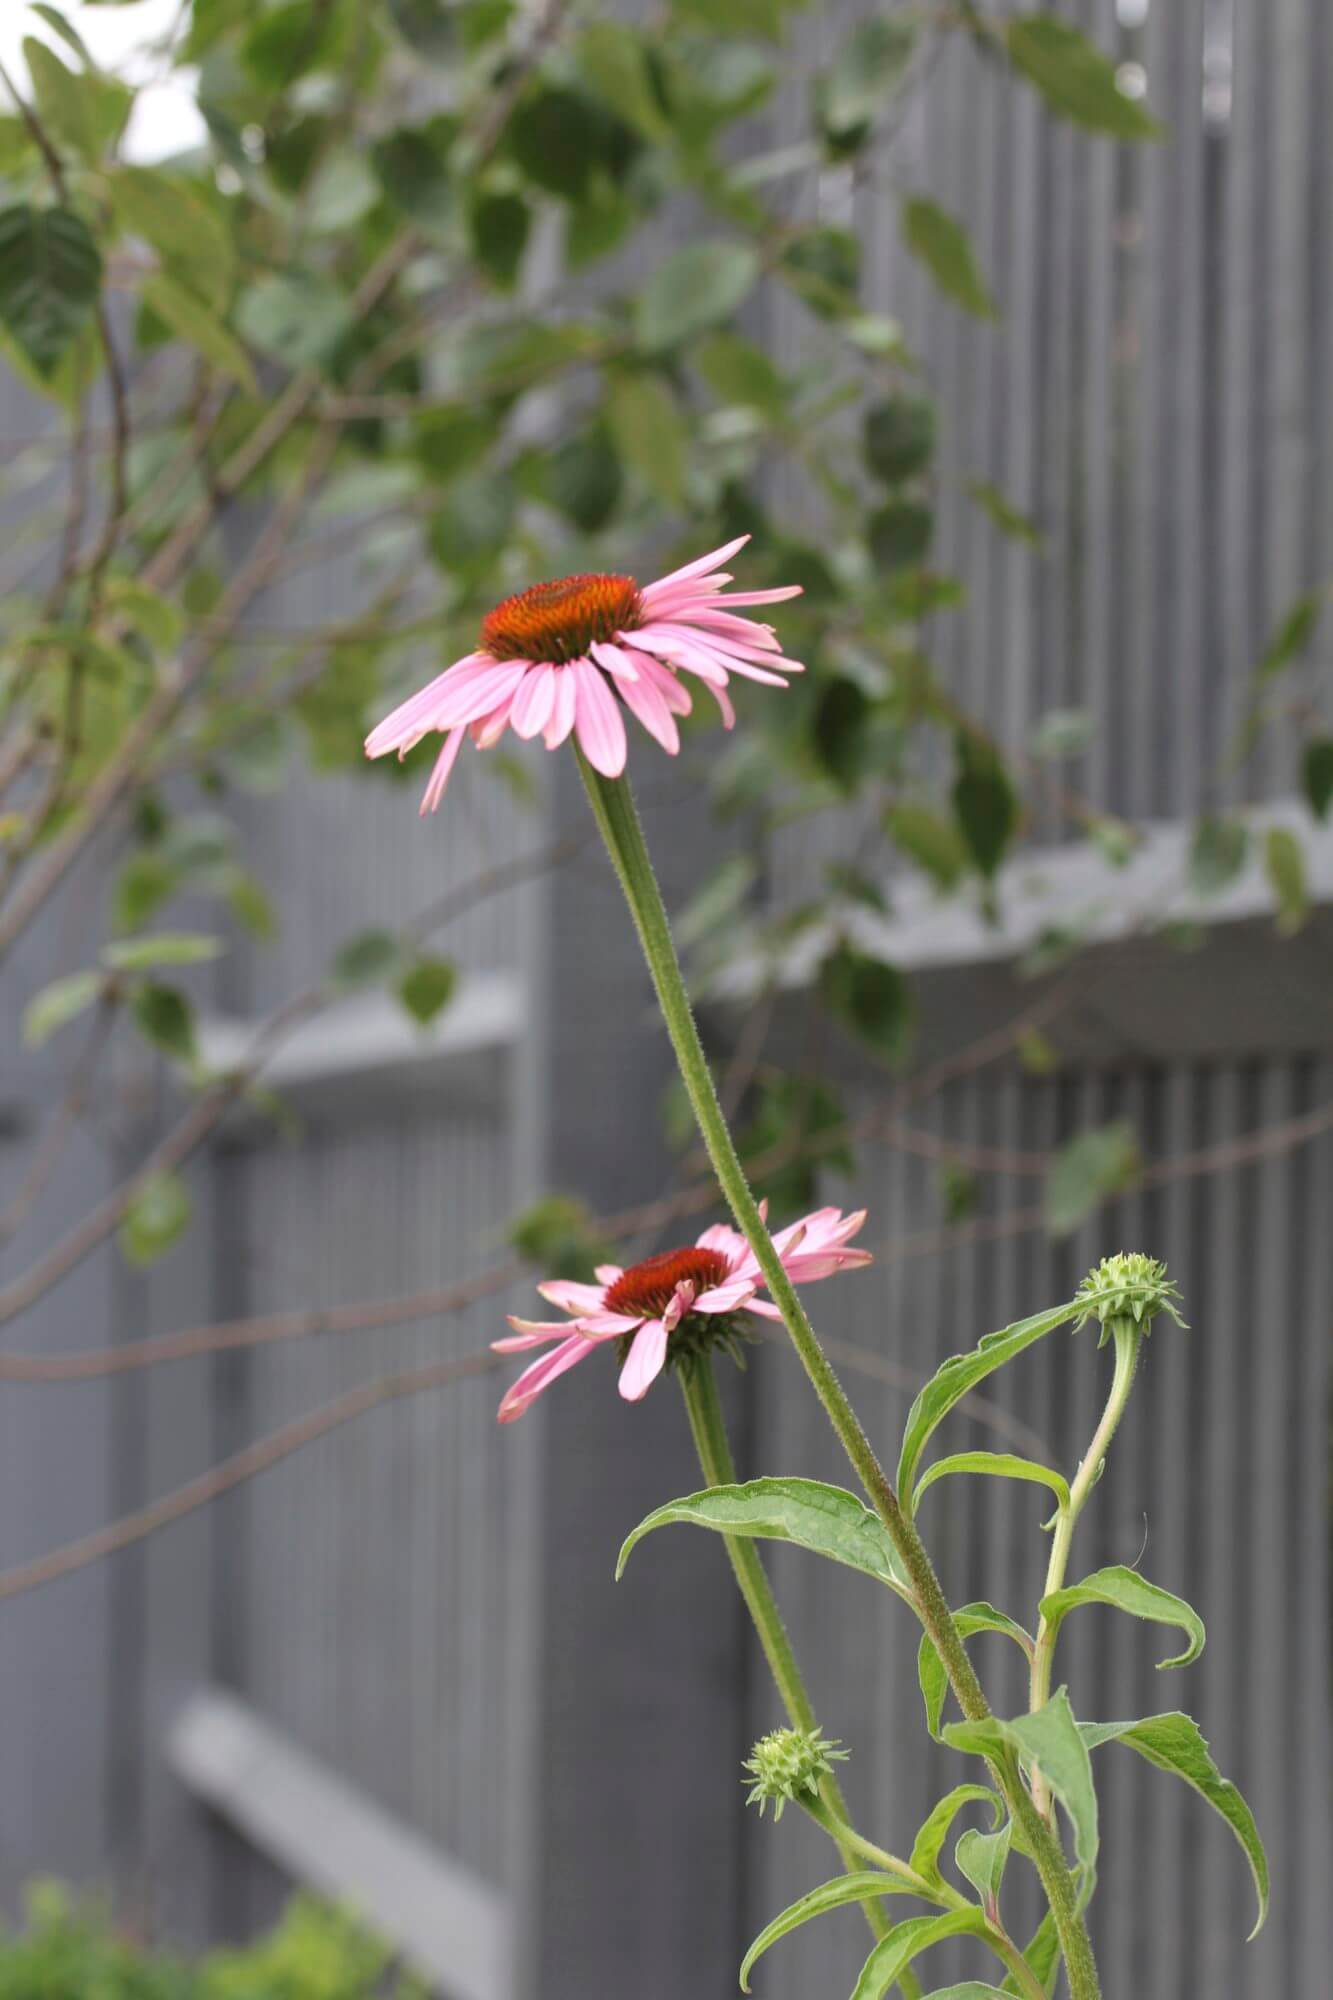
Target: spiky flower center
(647, 1289)
(559, 621)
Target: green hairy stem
(613, 807)
(710, 1442)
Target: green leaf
(452, 438)
(427, 987)
(647, 428)
(942, 244)
(365, 960)
(412, 169)
(429, 27)
(299, 320)
(1217, 854)
(1284, 865)
(996, 1464)
(984, 800)
(163, 948)
(693, 290)
(499, 226)
(899, 533)
(719, 900)
(1174, 1742)
(899, 437)
(201, 329)
(86, 113)
(864, 1887)
(1050, 1738)
(1317, 775)
(961, 1372)
(1007, 518)
(1042, 1955)
(981, 1860)
(925, 1856)
(823, 265)
(50, 278)
(825, 1519)
(870, 997)
(287, 42)
(615, 60)
(905, 1942)
(155, 1218)
(1086, 1172)
(185, 230)
(165, 1017)
(929, 839)
(584, 478)
(1126, 1590)
(1293, 636)
(153, 617)
(867, 69)
(570, 144)
(57, 1004)
(934, 1681)
(1075, 78)
(738, 371)
(971, 1990)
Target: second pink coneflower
(570, 656)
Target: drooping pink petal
(684, 650)
(644, 1362)
(531, 1333)
(597, 720)
(725, 1298)
(609, 1325)
(562, 709)
(572, 1297)
(823, 1264)
(488, 729)
(478, 694)
(764, 1307)
(444, 764)
(617, 662)
(532, 704)
(673, 692)
(414, 718)
(531, 1383)
(646, 701)
(723, 700)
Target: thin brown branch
(63, 1123)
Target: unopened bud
(788, 1764)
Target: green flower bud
(788, 1764)
(1128, 1286)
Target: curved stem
(710, 1442)
(613, 808)
(1128, 1337)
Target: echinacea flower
(567, 655)
(674, 1304)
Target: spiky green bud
(788, 1764)
(1128, 1286)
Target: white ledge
(448, 1924)
(369, 1044)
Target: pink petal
(723, 700)
(725, 1298)
(778, 596)
(644, 1362)
(532, 704)
(616, 661)
(597, 720)
(444, 764)
(681, 1302)
(488, 729)
(608, 1273)
(673, 692)
(823, 1264)
(646, 701)
(730, 1242)
(415, 717)
(541, 1374)
(677, 646)
(562, 708)
(700, 566)
(764, 1307)
(531, 1333)
(572, 1297)
(608, 1326)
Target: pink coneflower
(673, 1304)
(563, 656)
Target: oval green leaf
(696, 288)
(859, 1888)
(981, 1859)
(1126, 1590)
(997, 1465)
(826, 1519)
(1174, 1742)
(925, 1857)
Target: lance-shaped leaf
(827, 1519)
(863, 1887)
(972, 1990)
(1051, 1739)
(979, 1617)
(981, 1859)
(961, 1372)
(1128, 1591)
(1174, 1742)
(906, 1942)
(50, 277)
(997, 1465)
(934, 1832)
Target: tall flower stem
(618, 821)
(708, 1429)
(1128, 1337)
